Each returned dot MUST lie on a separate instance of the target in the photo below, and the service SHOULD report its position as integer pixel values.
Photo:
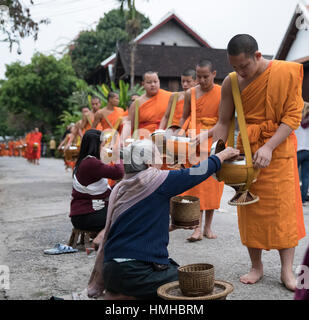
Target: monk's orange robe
(152, 111)
(276, 221)
(207, 106)
(28, 151)
(16, 148)
(11, 148)
(178, 113)
(36, 138)
(86, 127)
(113, 117)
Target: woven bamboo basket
(196, 279)
(185, 214)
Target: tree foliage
(92, 47)
(123, 90)
(16, 21)
(37, 93)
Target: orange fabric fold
(178, 112)
(152, 111)
(207, 106)
(118, 113)
(276, 220)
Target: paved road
(34, 208)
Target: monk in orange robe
(271, 93)
(28, 147)
(151, 106)
(36, 140)
(110, 117)
(16, 148)
(205, 99)
(11, 148)
(188, 80)
(2, 148)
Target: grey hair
(138, 155)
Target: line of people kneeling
(132, 259)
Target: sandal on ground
(59, 249)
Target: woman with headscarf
(133, 261)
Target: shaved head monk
(150, 106)
(271, 94)
(110, 116)
(205, 98)
(172, 114)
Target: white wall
(300, 47)
(170, 33)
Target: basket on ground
(196, 279)
(185, 211)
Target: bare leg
(256, 271)
(287, 275)
(98, 239)
(207, 228)
(197, 234)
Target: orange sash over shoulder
(178, 112)
(276, 220)
(207, 107)
(113, 118)
(152, 111)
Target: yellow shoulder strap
(136, 113)
(193, 110)
(170, 120)
(242, 126)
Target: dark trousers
(52, 152)
(91, 221)
(303, 162)
(137, 278)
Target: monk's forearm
(281, 134)
(94, 123)
(219, 131)
(163, 123)
(182, 121)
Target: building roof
(170, 16)
(170, 61)
(300, 12)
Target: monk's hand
(262, 157)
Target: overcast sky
(215, 20)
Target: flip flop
(59, 249)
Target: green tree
(37, 93)
(92, 47)
(133, 26)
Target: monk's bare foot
(289, 281)
(253, 276)
(209, 234)
(196, 236)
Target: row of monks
(160, 109)
(28, 147)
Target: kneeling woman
(91, 190)
(132, 261)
